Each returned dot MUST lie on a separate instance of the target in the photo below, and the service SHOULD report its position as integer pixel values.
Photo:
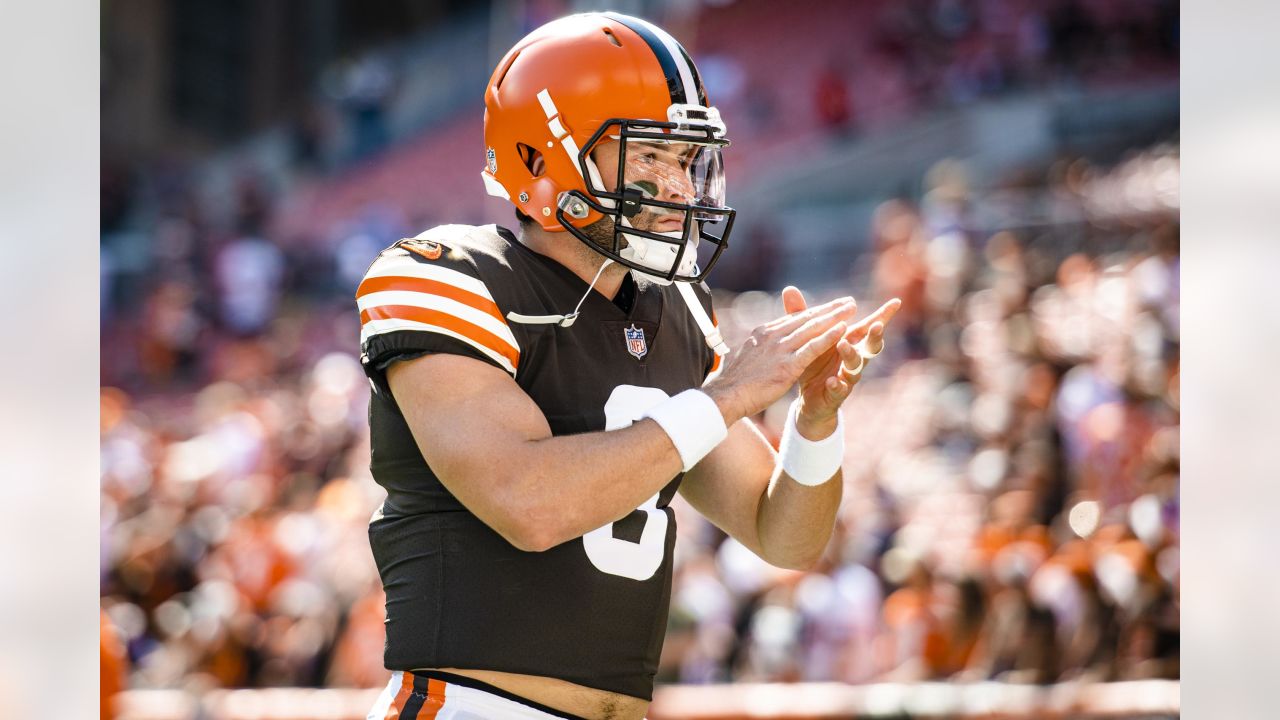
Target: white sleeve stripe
(378, 327)
(431, 301)
(408, 267)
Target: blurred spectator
(901, 270)
(831, 100)
(249, 272)
(364, 88)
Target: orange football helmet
(585, 80)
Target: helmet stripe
(697, 79)
(681, 77)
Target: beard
(601, 231)
(601, 234)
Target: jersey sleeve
(415, 303)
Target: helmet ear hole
(532, 159)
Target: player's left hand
(828, 381)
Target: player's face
(662, 171)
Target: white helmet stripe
(686, 73)
(567, 142)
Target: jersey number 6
(638, 561)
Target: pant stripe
(434, 700)
(412, 706)
(406, 690)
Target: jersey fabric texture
(593, 610)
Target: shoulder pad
(448, 234)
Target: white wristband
(693, 422)
(810, 462)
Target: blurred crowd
(1011, 503)
(869, 64)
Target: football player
(540, 396)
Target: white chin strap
(708, 328)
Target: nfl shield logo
(635, 341)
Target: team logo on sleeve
(424, 248)
(635, 341)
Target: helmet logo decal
(491, 160)
(635, 341)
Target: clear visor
(676, 173)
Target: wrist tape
(693, 422)
(810, 462)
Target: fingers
(788, 323)
(816, 346)
(841, 313)
(839, 386)
(882, 316)
(793, 300)
(874, 342)
(850, 360)
(854, 348)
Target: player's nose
(678, 190)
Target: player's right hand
(773, 358)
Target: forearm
(742, 488)
(794, 522)
(569, 485)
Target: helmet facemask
(669, 188)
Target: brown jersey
(593, 610)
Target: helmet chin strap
(561, 320)
(709, 330)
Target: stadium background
(1010, 532)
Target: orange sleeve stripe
(433, 287)
(472, 332)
